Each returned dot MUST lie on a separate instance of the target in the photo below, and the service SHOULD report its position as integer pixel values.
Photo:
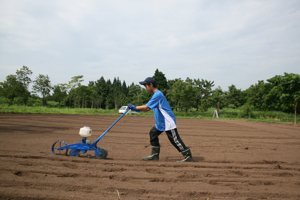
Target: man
(165, 121)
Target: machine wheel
(74, 152)
(103, 154)
(58, 144)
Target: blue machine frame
(84, 146)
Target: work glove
(132, 107)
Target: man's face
(149, 87)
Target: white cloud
(227, 41)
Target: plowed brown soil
(233, 160)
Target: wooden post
(218, 109)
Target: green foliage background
(274, 101)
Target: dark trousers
(172, 135)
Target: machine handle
(103, 134)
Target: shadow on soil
(177, 158)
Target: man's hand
(132, 107)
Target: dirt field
(234, 160)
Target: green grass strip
(235, 114)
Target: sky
(225, 41)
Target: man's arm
(142, 108)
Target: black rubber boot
(154, 155)
(187, 156)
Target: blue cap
(148, 80)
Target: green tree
(75, 81)
(176, 93)
(287, 88)
(198, 84)
(255, 94)
(59, 92)
(234, 97)
(83, 96)
(11, 88)
(102, 91)
(109, 97)
(96, 100)
(203, 93)
(169, 93)
(188, 95)
(73, 84)
(91, 83)
(217, 96)
(162, 83)
(125, 89)
(144, 97)
(23, 77)
(207, 92)
(42, 84)
(117, 93)
(134, 94)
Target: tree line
(281, 92)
